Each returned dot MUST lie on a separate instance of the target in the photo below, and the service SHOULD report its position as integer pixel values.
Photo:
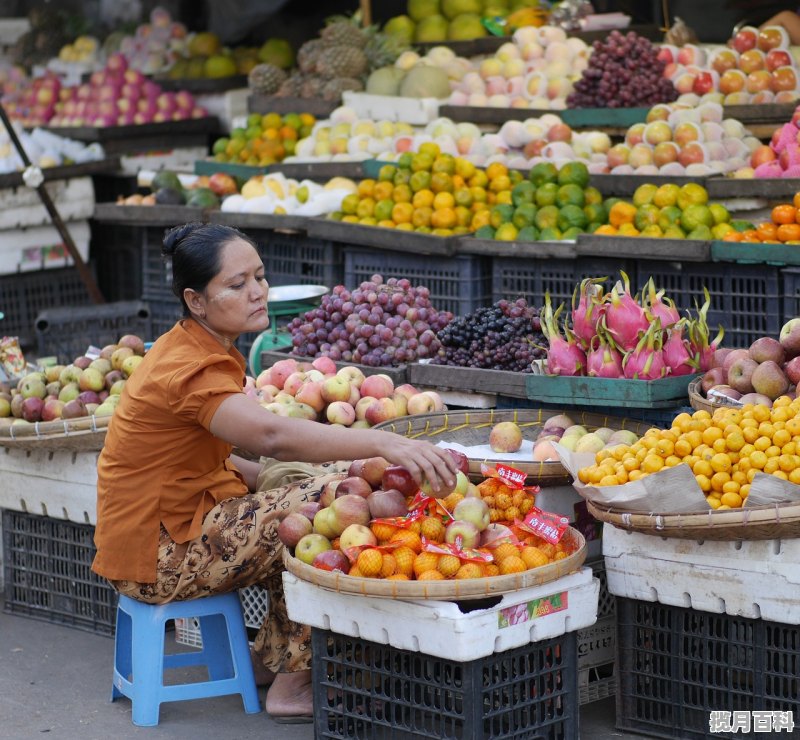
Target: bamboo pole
(83, 270)
(366, 12)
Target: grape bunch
(505, 336)
(378, 324)
(623, 72)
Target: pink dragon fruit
(676, 352)
(603, 359)
(658, 306)
(624, 318)
(646, 361)
(589, 310)
(699, 333)
(564, 355)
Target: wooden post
(366, 13)
(83, 270)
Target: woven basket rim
(733, 520)
(464, 590)
(83, 433)
(698, 401)
(429, 425)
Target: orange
(533, 557)
(450, 501)
(402, 213)
(448, 565)
(621, 213)
(441, 183)
(767, 230)
(369, 562)
(355, 572)
(513, 564)
(732, 236)
(444, 218)
(432, 529)
(398, 577)
(422, 198)
(789, 232)
(496, 169)
(443, 200)
(422, 216)
(389, 565)
(430, 575)
(481, 218)
(784, 213)
(366, 188)
(490, 569)
(404, 560)
(796, 200)
(382, 532)
(425, 561)
(409, 538)
(506, 550)
(402, 194)
(469, 570)
(503, 501)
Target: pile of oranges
(429, 192)
(408, 561)
(505, 504)
(724, 451)
(783, 228)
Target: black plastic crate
(155, 270)
(24, 295)
(298, 259)
(366, 690)
(116, 251)
(67, 332)
(48, 576)
(745, 299)
(675, 666)
(459, 284)
(514, 277)
(790, 280)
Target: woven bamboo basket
(462, 590)
(78, 435)
(698, 401)
(473, 427)
(777, 521)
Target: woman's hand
(424, 461)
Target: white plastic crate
(254, 605)
(61, 484)
(21, 207)
(41, 247)
(751, 578)
(440, 628)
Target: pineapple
(341, 61)
(308, 54)
(266, 78)
(312, 87)
(382, 50)
(334, 88)
(342, 31)
(292, 86)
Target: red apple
(396, 476)
(745, 39)
(778, 58)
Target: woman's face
(236, 299)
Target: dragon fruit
(564, 355)
(658, 306)
(646, 361)
(699, 333)
(624, 318)
(676, 352)
(589, 310)
(603, 359)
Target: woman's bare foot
(290, 695)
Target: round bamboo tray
(78, 435)
(698, 401)
(473, 427)
(463, 590)
(778, 521)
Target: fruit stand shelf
(760, 187)
(469, 379)
(148, 215)
(777, 113)
(399, 374)
(534, 250)
(63, 172)
(202, 86)
(296, 170)
(146, 136)
(279, 104)
(270, 221)
(585, 391)
(615, 120)
(377, 237)
(625, 185)
(686, 250)
(753, 254)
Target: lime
(500, 215)
(549, 234)
(523, 192)
(596, 212)
(574, 173)
(701, 232)
(254, 119)
(740, 225)
(402, 177)
(387, 173)
(524, 215)
(404, 160)
(528, 234)
(646, 215)
(592, 196)
(592, 227)
(383, 209)
(506, 233)
(420, 181)
(543, 173)
(546, 194)
(570, 195)
(669, 216)
(485, 232)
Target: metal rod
(83, 270)
(366, 13)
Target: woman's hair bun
(174, 236)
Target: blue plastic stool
(139, 659)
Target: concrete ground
(55, 681)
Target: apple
(132, 341)
(713, 377)
(91, 379)
(332, 560)
(353, 485)
(33, 386)
(309, 509)
(281, 370)
(461, 460)
(328, 493)
(51, 410)
(380, 410)
(101, 364)
(32, 408)
(466, 532)
(354, 376)
(129, 365)
(294, 382)
(505, 436)
(73, 409)
(406, 389)
(397, 477)
(89, 397)
(732, 356)
(323, 523)
(222, 184)
(386, 504)
(495, 534)
(310, 393)
(362, 405)
(68, 392)
(740, 375)
(356, 535)
(347, 510)
(293, 528)
(324, 364)
(377, 386)
(310, 546)
(112, 377)
(438, 403)
(745, 39)
(792, 370)
(372, 470)
(474, 510)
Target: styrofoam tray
(57, 483)
(440, 628)
(751, 578)
(22, 206)
(417, 111)
(41, 247)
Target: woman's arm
(249, 470)
(244, 423)
(788, 20)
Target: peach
(664, 153)
(752, 61)
(657, 132)
(640, 155)
(731, 81)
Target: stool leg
(122, 651)
(216, 650)
(148, 667)
(240, 653)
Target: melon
(425, 82)
(385, 81)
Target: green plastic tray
(603, 117)
(745, 253)
(585, 391)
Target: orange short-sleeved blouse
(160, 464)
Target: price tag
(466, 554)
(550, 527)
(511, 477)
